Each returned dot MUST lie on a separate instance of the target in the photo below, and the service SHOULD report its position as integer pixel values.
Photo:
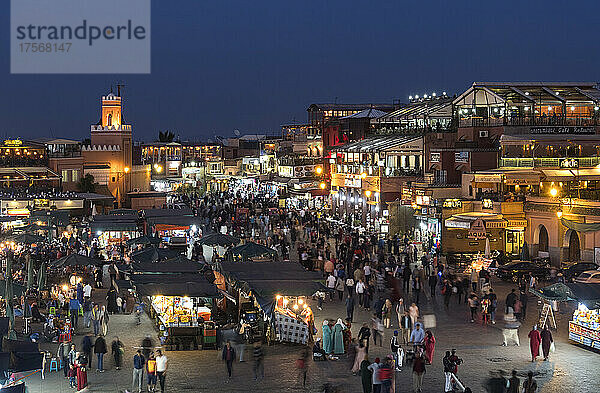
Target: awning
(191, 289)
(587, 174)
(517, 223)
(464, 220)
(487, 178)
(558, 174)
(581, 226)
(521, 178)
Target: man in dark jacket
(100, 350)
(523, 299)
(350, 307)
(228, 356)
(86, 346)
(511, 299)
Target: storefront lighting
(322, 185)
(295, 307)
(360, 200)
(126, 169)
(496, 110)
(352, 199)
(363, 175)
(549, 108)
(410, 97)
(368, 193)
(433, 94)
(65, 287)
(319, 170)
(553, 192)
(417, 97)
(526, 108)
(596, 108)
(559, 214)
(572, 108)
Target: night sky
(224, 65)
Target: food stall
(251, 252)
(175, 230)
(584, 327)
(293, 319)
(114, 230)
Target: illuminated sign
(354, 182)
(569, 163)
(452, 204)
(487, 204)
(13, 142)
(477, 230)
(435, 157)
(461, 156)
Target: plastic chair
(53, 365)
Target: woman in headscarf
(338, 337)
(534, 343)
(327, 342)
(547, 340)
(429, 346)
(366, 375)
(361, 354)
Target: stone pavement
(571, 368)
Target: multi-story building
(65, 159)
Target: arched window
(543, 240)
(574, 249)
(109, 120)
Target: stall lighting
(319, 170)
(549, 108)
(295, 307)
(360, 200)
(596, 108)
(126, 169)
(368, 193)
(65, 287)
(377, 208)
(322, 185)
(559, 214)
(553, 192)
(352, 200)
(278, 297)
(304, 306)
(99, 233)
(572, 108)
(363, 175)
(343, 197)
(300, 301)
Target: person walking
(418, 372)
(448, 369)
(547, 341)
(63, 355)
(350, 308)
(259, 356)
(331, 280)
(339, 287)
(360, 291)
(86, 346)
(350, 285)
(406, 273)
(302, 366)
(406, 325)
(396, 348)
(511, 298)
(387, 313)
(74, 307)
(100, 350)
(473, 301)
(161, 369)
(117, 349)
(400, 311)
(514, 383)
(228, 356)
(432, 284)
(429, 346)
(530, 384)
(413, 311)
(376, 330)
(361, 354)
(374, 368)
(95, 317)
(138, 371)
(151, 372)
(364, 334)
(534, 343)
(366, 376)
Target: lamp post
(121, 175)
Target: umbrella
(76, 260)
(29, 273)
(525, 252)
(487, 247)
(27, 238)
(8, 295)
(218, 239)
(35, 227)
(42, 276)
(142, 240)
(250, 250)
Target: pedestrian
(413, 311)
(63, 355)
(406, 273)
(407, 325)
(374, 368)
(448, 372)
(417, 336)
(518, 309)
(350, 285)
(535, 340)
(429, 346)
(361, 354)
(161, 369)
(117, 349)
(387, 313)
(74, 307)
(87, 312)
(514, 383)
(376, 330)
(327, 339)
(339, 287)
(510, 300)
(337, 335)
(364, 334)
(432, 284)
(396, 350)
(366, 375)
(331, 280)
(81, 373)
(386, 372)
(86, 346)
(72, 375)
(259, 357)
(493, 305)
(138, 371)
(547, 341)
(400, 311)
(95, 317)
(360, 291)
(417, 287)
(350, 307)
(418, 372)
(302, 366)
(510, 330)
(530, 384)
(151, 372)
(523, 298)
(473, 306)
(100, 350)
(228, 356)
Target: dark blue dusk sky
(224, 65)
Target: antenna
(119, 85)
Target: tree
(87, 184)
(165, 136)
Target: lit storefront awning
(464, 220)
(558, 174)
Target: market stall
(251, 252)
(176, 231)
(584, 327)
(216, 244)
(114, 230)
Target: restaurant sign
(452, 204)
(461, 156)
(435, 157)
(487, 204)
(354, 182)
(562, 130)
(477, 230)
(569, 163)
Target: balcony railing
(529, 121)
(546, 162)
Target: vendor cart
(209, 337)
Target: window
(75, 175)
(65, 175)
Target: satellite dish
(236, 132)
(210, 140)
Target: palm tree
(87, 184)
(165, 136)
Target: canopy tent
(17, 289)
(149, 213)
(142, 240)
(153, 254)
(179, 264)
(218, 239)
(581, 226)
(153, 278)
(76, 260)
(250, 250)
(35, 227)
(27, 238)
(588, 294)
(191, 289)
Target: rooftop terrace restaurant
(530, 104)
(432, 113)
